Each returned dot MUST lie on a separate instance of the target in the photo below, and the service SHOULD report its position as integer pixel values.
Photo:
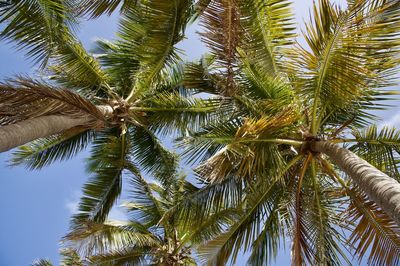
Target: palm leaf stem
(369, 141)
(168, 109)
(297, 247)
(324, 68)
(272, 140)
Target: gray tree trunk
(14, 135)
(20, 133)
(380, 188)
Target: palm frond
(170, 112)
(74, 68)
(200, 146)
(380, 148)
(373, 231)
(198, 76)
(149, 153)
(199, 8)
(258, 210)
(265, 246)
(43, 152)
(302, 251)
(145, 208)
(252, 148)
(213, 226)
(124, 256)
(195, 208)
(260, 86)
(119, 62)
(268, 28)
(351, 54)
(322, 208)
(37, 26)
(97, 8)
(25, 98)
(241, 234)
(109, 154)
(221, 21)
(152, 30)
(70, 257)
(42, 262)
(90, 238)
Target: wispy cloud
(71, 204)
(116, 213)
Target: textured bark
(20, 133)
(381, 188)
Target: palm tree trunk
(14, 135)
(381, 188)
(17, 134)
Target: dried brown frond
(221, 20)
(25, 98)
(374, 232)
(301, 249)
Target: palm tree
(116, 99)
(299, 148)
(148, 237)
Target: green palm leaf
(43, 152)
(124, 256)
(37, 26)
(148, 152)
(380, 148)
(97, 8)
(195, 209)
(153, 35)
(42, 262)
(366, 61)
(109, 154)
(219, 250)
(198, 76)
(146, 208)
(119, 62)
(74, 68)
(70, 257)
(89, 237)
(268, 29)
(170, 112)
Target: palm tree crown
(149, 237)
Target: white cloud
(71, 204)
(116, 213)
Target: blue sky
(36, 206)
